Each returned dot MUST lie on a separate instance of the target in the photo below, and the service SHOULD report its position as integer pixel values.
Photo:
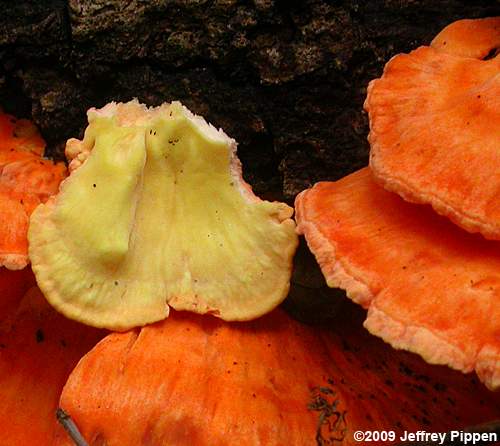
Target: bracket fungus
(429, 286)
(38, 350)
(156, 211)
(435, 134)
(477, 38)
(26, 180)
(200, 381)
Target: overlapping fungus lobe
(429, 286)
(26, 180)
(434, 134)
(477, 38)
(193, 379)
(38, 350)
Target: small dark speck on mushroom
(479, 96)
(63, 343)
(94, 185)
(116, 282)
(39, 335)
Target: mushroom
(192, 380)
(26, 180)
(38, 350)
(429, 287)
(477, 38)
(156, 211)
(435, 134)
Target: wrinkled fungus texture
(477, 38)
(429, 287)
(198, 381)
(435, 135)
(26, 180)
(156, 211)
(38, 350)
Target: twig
(70, 427)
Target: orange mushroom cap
(476, 38)
(435, 135)
(38, 350)
(429, 287)
(199, 381)
(26, 180)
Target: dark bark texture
(285, 78)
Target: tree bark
(285, 78)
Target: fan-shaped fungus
(429, 287)
(192, 380)
(156, 211)
(435, 135)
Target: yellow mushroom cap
(156, 212)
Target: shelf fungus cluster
(26, 180)
(155, 214)
(430, 286)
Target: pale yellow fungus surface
(156, 212)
